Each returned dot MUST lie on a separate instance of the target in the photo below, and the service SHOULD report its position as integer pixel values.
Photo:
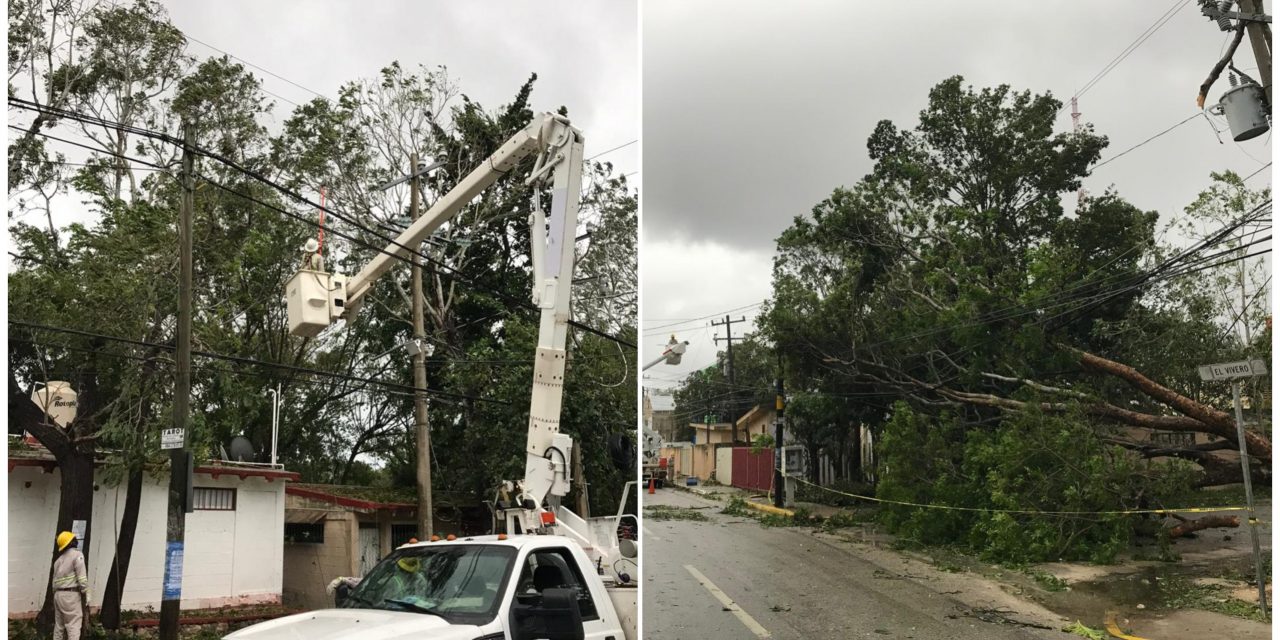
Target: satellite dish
(242, 450)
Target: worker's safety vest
(69, 573)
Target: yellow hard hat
(410, 564)
(65, 538)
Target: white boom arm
(670, 355)
(317, 298)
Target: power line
(302, 199)
(1260, 170)
(259, 68)
(1004, 314)
(1122, 153)
(255, 362)
(1178, 5)
(650, 330)
(625, 144)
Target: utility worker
(70, 588)
(409, 579)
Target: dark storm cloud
(754, 111)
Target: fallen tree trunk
(1216, 470)
(1207, 522)
(1219, 423)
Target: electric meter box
(793, 461)
(308, 297)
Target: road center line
(649, 533)
(729, 604)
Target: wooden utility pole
(779, 405)
(728, 323)
(422, 427)
(179, 456)
(1260, 40)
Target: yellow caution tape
(1114, 629)
(1028, 511)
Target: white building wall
(231, 557)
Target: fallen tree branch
(1207, 522)
(1218, 423)
(1038, 386)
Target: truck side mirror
(341, 593)
(555, 617)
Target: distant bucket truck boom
(670, 355)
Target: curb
(768, 508)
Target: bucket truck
(551, 573)
(655, 469)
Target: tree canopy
(948, 302)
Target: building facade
(233, 543)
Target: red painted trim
(47, 465)
(214, 470)
(346, 502)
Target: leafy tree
(344, 404)
(951, 281)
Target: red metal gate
(753, 470)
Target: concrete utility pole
(727, 323)
(779, 498)
(422, 427)
(1248, 498)
(1260, 40)
(179, 457)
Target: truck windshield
(461, 583)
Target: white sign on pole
(172, 438)
(1229, 370)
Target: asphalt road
(732, 578)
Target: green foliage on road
(662, 512)
(1084, 631)
(1035, 462)
(737, 507)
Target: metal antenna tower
(1082, 193)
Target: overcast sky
(585, 55)
(755, 110)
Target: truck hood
(357, 624)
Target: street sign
(1229, 370)
(172, 438)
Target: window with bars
(311, 532)
(400, 533)
(213, 499)
(1174, 438)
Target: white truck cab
(496, 587)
